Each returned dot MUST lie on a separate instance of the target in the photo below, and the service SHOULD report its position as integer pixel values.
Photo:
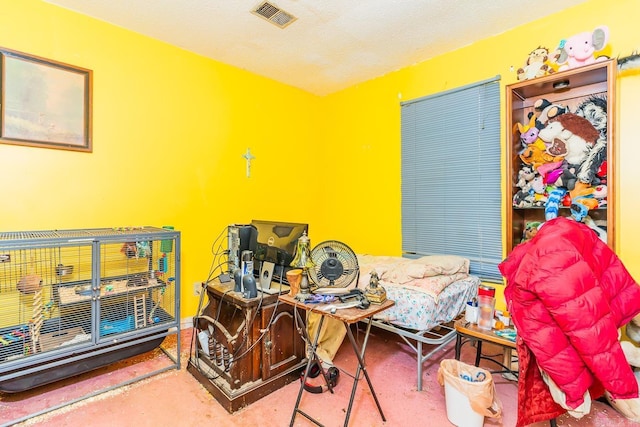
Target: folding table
(347, 316)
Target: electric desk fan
(335, 267)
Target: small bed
(429, 292)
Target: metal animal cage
(75, 300)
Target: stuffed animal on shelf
(547, 110)
(591, 167)
(552, 205)
(594, 109)
(600, 194)
(530, 230)
(569, 136)
(525, 176)
(580, 49)
(522, 199)
(537, 64)
(528, 132)
(550, 171)
(582, 200)
(535, 155)
(566, 178)
(538, 186)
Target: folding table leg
(311, 358)
(361, 367)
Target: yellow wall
(169, 131)
(170, 127)
(368, 116)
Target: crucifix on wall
(248, 157)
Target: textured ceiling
(333, 44)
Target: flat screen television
(277, 242)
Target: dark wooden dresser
(245, 348)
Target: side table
(471, 332)
(466, 331)
(347, 316)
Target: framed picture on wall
(44, 103)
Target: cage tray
(53, 340)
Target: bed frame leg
(419, 348)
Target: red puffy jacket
(568, 294)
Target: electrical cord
(194, 339)
(213, 271)
(195, 358)
(218, 251)
(238, 356)
(263, 332)
(208, 319)
(216, 265)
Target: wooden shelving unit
(569, 88)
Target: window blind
(451, 191)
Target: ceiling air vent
(274, 14)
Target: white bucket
(459, 409)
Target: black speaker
(237, 278)
(249, 286)
(314, 370)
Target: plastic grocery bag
(474, 383)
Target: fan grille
(336, 265)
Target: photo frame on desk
(44, 103)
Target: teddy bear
(582, 200)
(537, 64)
(530, 230)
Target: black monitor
(277, 243)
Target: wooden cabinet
(570, 162)
(283, 347)
(246, 348)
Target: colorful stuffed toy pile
(564, 152)
(564, 158)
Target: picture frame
(44, 103)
